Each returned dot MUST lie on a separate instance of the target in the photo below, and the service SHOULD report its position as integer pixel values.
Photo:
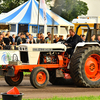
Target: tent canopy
(27, 13)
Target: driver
(72, 41)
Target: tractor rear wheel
(39, 77)
(14, 81)
(59, 80)
(85, 67)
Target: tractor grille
(24, 57)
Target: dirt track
(50, 91)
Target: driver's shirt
(72, 41)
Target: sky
(94, 7)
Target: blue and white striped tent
(27, 13)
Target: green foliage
(8, 5)
(70, 9)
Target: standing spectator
(43, 40)
(3, 33)
(61, 38)
(1, 42)
(13, 37)
(19, 39)
(7, 40)
(47, 35)
(93, 38)
(56, 40)
(24, 38)
(83, 37)
(10, 37)
(27, 34)
(41, 35)
(48, 40)
(38, 38)
(98, 39)
(30, 40)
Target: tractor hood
(42, 47)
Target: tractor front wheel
(39, 77)
(14, 81)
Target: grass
(27, 73)
(74, 98)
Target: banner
(43, 6)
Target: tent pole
(38, 18)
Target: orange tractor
(48, 62)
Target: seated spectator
(38, 38)
(1, 42)
(48, 40)
(93, 38)
(19, 39)
(61, 38)
(30, 40)
(7, 40)
(47, 35)
(83, 37)
(98, 39)
(42, 39)
(55, 38)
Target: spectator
(61, 38)
(83, 37)
(68, 36)
(10, 37)
(19, 39)
(27, 34)
(98, 39)
(47, 34)
(43, 40)
(13, 37)
(41, 35)
(7, 40)
(24, 38)
(1, 42)
(30, 40)
(93, 38)
(3, 33)
(48, 40)
(38, 38)
(56, 40)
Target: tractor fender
(82, 44)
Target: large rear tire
(14, 81)
(39, 77)
(84, 66)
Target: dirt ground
(49, 91)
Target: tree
(70, 9)
(8, 5)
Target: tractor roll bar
(87, 30)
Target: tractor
(48, 62)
